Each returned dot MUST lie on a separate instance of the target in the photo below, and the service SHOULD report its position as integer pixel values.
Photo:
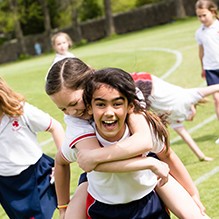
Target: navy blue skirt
(148, 207)
(29, 195)
(212, 77)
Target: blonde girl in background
(61, 43)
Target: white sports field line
(178, 55)
(206, 176)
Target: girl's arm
(158, 167)
(209, 90)
(192, 144)
(62, 182)
(201, 54)
(180, 173)
(138, 143)
(57, 132)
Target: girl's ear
(89, 110)
(131, 108)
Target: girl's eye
(73, 104)
(118, 104)
(100, 104)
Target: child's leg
(178, 200)
(77, 205)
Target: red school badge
(15, 125)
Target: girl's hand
(162, 170)
(203, 74)
(85, 160)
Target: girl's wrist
(64, 206)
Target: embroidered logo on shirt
(15, 125)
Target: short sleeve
(36, 119)
(76, 131)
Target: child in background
(207, 37)
(61, 43)
(25, 172)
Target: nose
(109, 111)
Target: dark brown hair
(70, 73)
(123, 82)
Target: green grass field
(169, 50)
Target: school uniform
(124, 195)
(208, 37)
(113, 195)
(168, 98)
(59, 57)
(25, 189)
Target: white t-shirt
(76, 131)
(59, 57)
(18, 137)
(117, 188)
(172, 99)
(208, 37)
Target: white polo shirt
(118, 188)
(76, 131)
(172, 99)
(18, 140)
(208, 37)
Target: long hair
(207, 4)
(123, 82)
(70, 73)
(10, 101)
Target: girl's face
(61, 45)
(70, 102)
(109, 108)
(205, 16)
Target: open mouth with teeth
(109, 123)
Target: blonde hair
(68, 38)
(10, 101)
(209, 5)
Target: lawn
(168, 51)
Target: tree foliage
(90, 9)
(65, 13)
